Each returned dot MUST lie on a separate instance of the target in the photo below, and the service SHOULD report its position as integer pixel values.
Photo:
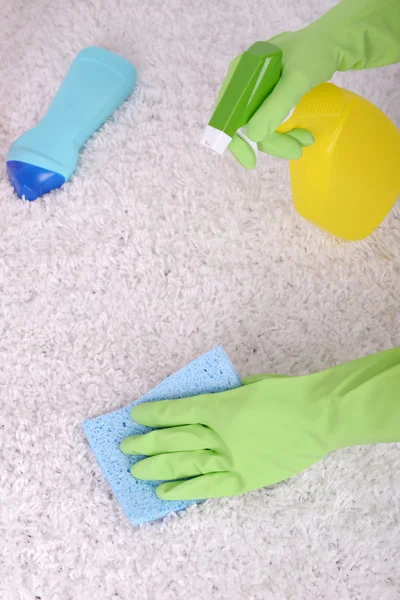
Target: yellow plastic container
(349, 179)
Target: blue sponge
(212, 372)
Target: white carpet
(155, 252)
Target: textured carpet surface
(155, 252)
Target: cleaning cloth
(212, 372)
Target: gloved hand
(266, 431)
(355, 34)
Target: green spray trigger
(254, 78)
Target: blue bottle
(45, 157)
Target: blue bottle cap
(30, 181)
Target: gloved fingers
(277, 106)
(172, 439)
(212, 485)
(243, 153)
(303, 136)
(282, 146)
(170, 413)
(179, 465)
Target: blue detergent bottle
(45, 157)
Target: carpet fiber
(155, 252)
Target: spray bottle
(349, 179)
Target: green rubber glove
(266, 431)
(355, 34)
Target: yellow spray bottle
(349, 179)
